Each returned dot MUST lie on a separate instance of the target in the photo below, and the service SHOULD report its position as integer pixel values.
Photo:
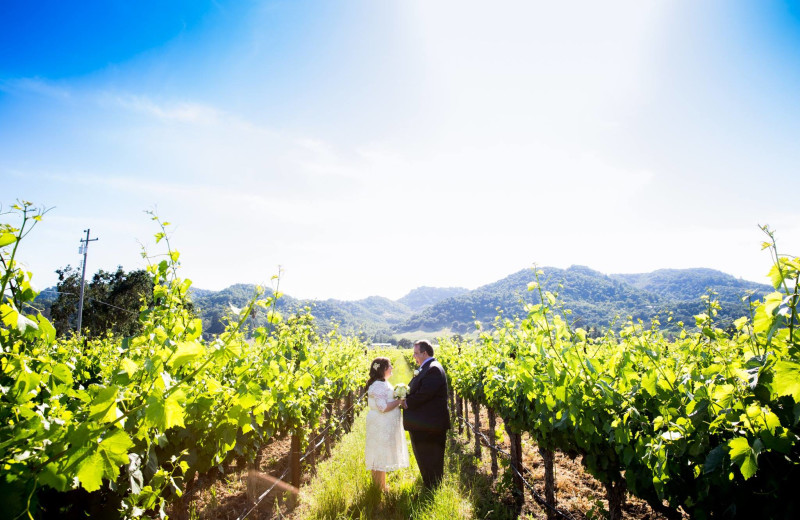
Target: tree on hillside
(405, 343)
(111, 301)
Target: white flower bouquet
(401, 391)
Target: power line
(91, 299)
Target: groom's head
(422, 351)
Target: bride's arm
(391, 405)
(382, 401)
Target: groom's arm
(429, 387)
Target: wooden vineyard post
(328, 433)
(348, 403)
(466, 418)
(549, 481)
(451, 395)
(258, 458)
(516, 466)
(311, 458)
(476, 412)
(296, 471)
(459, 416)
(353, 410)
(493, 437)
(338, 418)
(353, 402)
(615, 494)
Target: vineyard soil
(224, 496)
(577, 492)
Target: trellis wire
(535, 495)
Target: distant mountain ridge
(595, 300)
(424, 296)
(689, 284)
(580, 289)
(374, 316)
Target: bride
(386, 441)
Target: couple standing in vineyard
(425, 416)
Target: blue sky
(373, 147)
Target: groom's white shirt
(425, 363)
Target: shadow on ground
(488, 500)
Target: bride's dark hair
(377, 371)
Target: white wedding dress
(386, 441)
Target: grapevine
(703, 422)
(134, 418)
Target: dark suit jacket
(427, 400)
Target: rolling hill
(595, 299)
(422, 297)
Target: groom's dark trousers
(429, 451)
(427, 420)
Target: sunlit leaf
(104, 406)
(786, 379)
(186, 352)
(174, 411)
(129, 366)
(6, 239)
(46, 330)
(740, 323)
(114, 450)
(25, 324)
(776, 275)
(742, 454)
(62, 374)
(90, 472)
(306, 380)
(155, 413)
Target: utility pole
(84, 249)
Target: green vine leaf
(90, 472)
(6, 239)
(103, 407)
(786, 379)
(114, 451)
(186, 352)
(742, 454)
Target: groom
(426, 416)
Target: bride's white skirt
(386, 441)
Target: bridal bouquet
(401, 391)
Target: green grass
(343, 489)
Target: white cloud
(36, 87)
(183, 111)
